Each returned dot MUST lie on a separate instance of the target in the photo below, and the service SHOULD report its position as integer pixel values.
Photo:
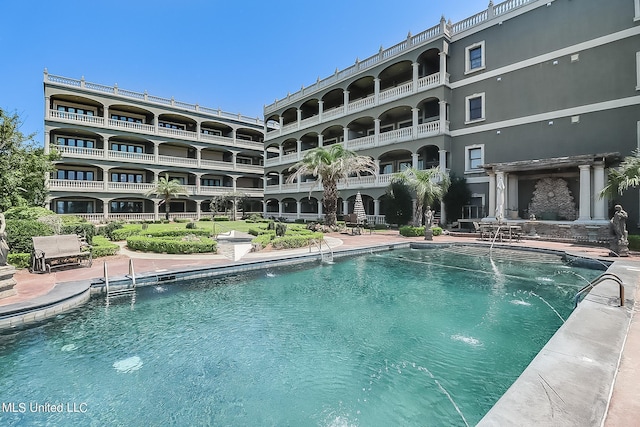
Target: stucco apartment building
(116, 143)
(530, 100)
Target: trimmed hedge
(19, 260)
(20, 232)
(634, 242)
(86, 229)
(410, 231)
(103, 247)
(291, 242)
(125, 231)
(221, 218)
(171, 245)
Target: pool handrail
(604, 276)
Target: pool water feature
(405, 337)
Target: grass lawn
(216, 227)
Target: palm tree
(624, 176)
(331, 165)
(167, 190)
(428, 184)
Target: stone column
(320, 208)
(599, 203)
(415, 118)
(442, 121)
(442, 164)
(264, 208)
(492, 195)
(376, 134)
(512, 192)
(198, 210)
(443, 63)
(320, 140)
(585, 193)
(279, 208)
(298, 208)
(320, 110)
(156, 209)
(345, 206)
(376, 90)
(414, 160)
(346, 102)
(415, 70)
(199, 156)
(376, 207)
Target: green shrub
(436, 231)
(53, 221)
(221, 218)
(171, 245)
(410, 231)
(181, 220)
(20, 232)
(191, 225)
(634, 242)
(381, 227)
(107, 230)
(72, 219)
(300, 221)
(103, 247)
(260, 231)
(290, 242)
(205, 218)
(264, 239)
(85, 229)
(178, 233)
(125, 231)
(24, 212)
(19, 260)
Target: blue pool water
(405, 337)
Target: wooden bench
(59, 251)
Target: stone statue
(428, 223)
(4, 246)
(619, 240)
(428, 217)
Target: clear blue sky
(235, 55)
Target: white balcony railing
(147, 129)
(133, 157)
(177, 161)
(73, 185)
(134, 187)
(86, 153)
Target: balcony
(142, 188)
(145, 129)
(423, 84)
(349, 183)
(423, 130)
(150, 159)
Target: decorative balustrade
(147, 129)
(137, 127)
(73, 185)
(360, 143)
(82, 118)
(429, 128)
(361, 104)
(115, 90)
(65, 150)
(396, 92)
(424, 83)
(133, 157)
(178, 161)
(411, 42)
(368, 181)
(393, 136)
(136, 187)
(177, 133)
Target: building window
(75, 206)
(75, 110)
(127, 148)
(211, 182)
(211, 132)
(122, 118)
(126, 177)
(475, 59)
(126, 206)
(171, 125)
(638, 70)
(474, 106)
(474, 157)
(75, 142)
(74, 175)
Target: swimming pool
(406, 337)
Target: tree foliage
(458, 195)
(328, 166)
(625, 176)
(23, 165)
(427, 184)
(227, 201)
(167, 189)
(398, 204)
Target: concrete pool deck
(551, 401)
